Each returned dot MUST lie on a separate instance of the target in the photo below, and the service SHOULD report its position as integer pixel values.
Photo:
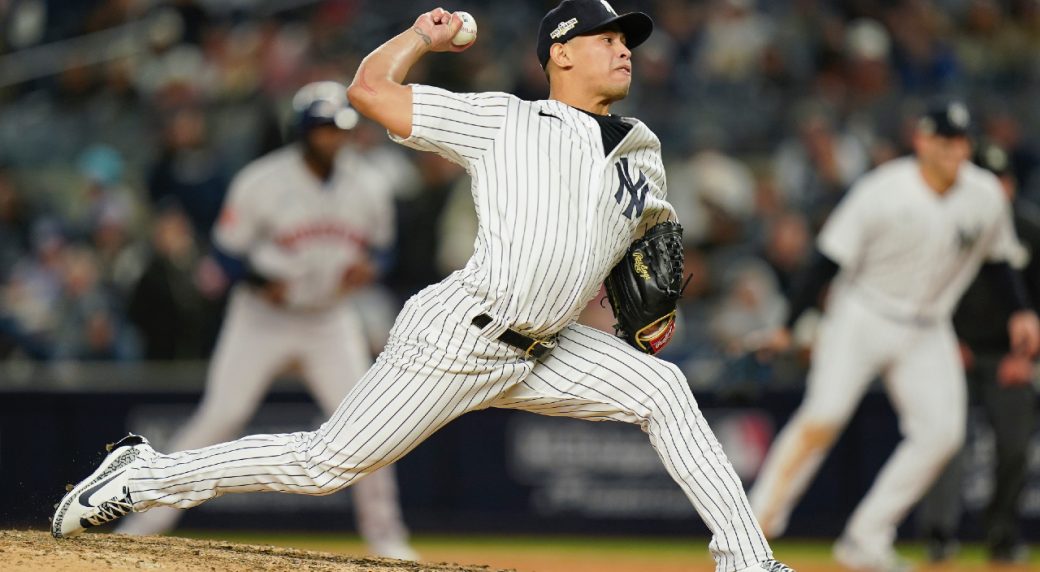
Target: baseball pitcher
(565, 192)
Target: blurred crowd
(123, 121)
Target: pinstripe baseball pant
(436, 367)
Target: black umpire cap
(577, 17)
(950, 119)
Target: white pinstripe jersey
(296, 228)
(555, 212)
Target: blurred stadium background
(122, 121)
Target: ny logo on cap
(562, 28)
(958, 115)
(608, 7)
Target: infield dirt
(36, 551)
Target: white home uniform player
(909, 237)
(300, 233)
(561, 190)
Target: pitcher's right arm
(378, 92)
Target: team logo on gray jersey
(637, 190)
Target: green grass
(694, 548)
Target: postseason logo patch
(562, 28)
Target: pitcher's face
(603, 62)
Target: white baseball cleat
(851, 555)
(103, 496)
(394, 549)
(769, 566)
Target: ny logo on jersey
(636, 190)
(966, 238)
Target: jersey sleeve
(1005, 246)
(458, 126)
(239, 223)
(659, 210)
(847, 229)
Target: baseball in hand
(468, 32)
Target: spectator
(871, 101)
(735, 38)
(815, 168)
(786, 246)
(109, 216)
(415, 262)
(926, 63)
(31, 294)
(15, 224)
(714, 195)
(189, 171)
(87, 328)
(752, 303)
(1004, 129)
(165, 305)
(993, 54)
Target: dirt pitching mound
(36, 551)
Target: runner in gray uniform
(562, 189)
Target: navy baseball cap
(578, 17)
(323, 103)
(950, 119)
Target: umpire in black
(1002, 383)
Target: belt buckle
(539, 348)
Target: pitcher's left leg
(596, 376)
(927, 389)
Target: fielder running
(561, 189)
(298, 224)
(908, 239)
